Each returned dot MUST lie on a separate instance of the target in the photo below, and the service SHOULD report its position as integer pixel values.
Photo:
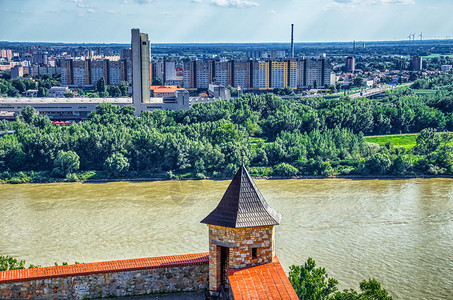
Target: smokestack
(353, 50)
(292, 40)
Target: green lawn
(400, 140)
(397, 140)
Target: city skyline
(198, 21)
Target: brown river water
(397, 231)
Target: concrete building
(39, 58)
(219, 91)
(58, 91)
(446, 68)
(317, 73)
(417, 63)
(240, 74)
(258, 74)
(126, 54)
(169, 71)
(80, 73)
(97, 69)
(6, 53)
(222, 73)
(350, 64)
(140, 67)
(17, 72)
(79, 108)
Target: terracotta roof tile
(105, 267)
(267, 281)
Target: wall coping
(105, 267)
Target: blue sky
(192, 21)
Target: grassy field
(397, 140)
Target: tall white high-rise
(140, 49)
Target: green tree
(378, 163)
(100, 85)
(68, 95)
(358, 81)
(114, 91)
(43, 92)
(19, 85)
(310, 282)
(10, 263)
(67, 162)
(370, 290)
(12, 92)
(157, 81)
(116, 164)
(27, 114)
(427, 141)
(284, 169)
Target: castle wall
(184, 276)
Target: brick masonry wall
(188, 278)
(240, 241)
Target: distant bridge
(372, 92)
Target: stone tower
(241, 230)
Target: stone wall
(184, 277)
(241, 242)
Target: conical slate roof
(242, 205)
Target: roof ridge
(267, 208)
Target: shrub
(285, 169)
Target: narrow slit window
(254, 253)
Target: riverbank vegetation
(296, 137)
(310, 283)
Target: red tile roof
(267, 281)
(105, 267)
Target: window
(254, 251)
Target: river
(397, 231)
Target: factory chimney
(292, 40)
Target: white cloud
(196, 1)
(90, 10)
(142, 1)
(235, 3)
(363, 3)
(272, 12)
(111, 11)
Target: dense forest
(308, 136)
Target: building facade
(258, 74)
(140, 66)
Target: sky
(232, 21)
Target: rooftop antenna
(242, 157)
(292, 40)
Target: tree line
(308, 136)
